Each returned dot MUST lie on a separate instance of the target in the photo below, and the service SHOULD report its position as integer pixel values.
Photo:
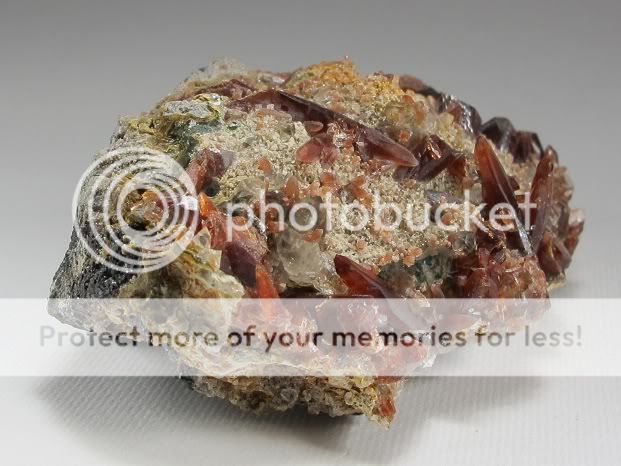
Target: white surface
(70, 68)
(461, 421)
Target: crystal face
(255, 138)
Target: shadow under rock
(160, 421)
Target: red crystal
(524, 145)
(575, 227)
(465, 115)
(264, 284)
(291, 190)
(553, 256)
(492, 272)
(207, 166)
(360, 280)
(386, 406)
(497, 187)
(434, 156)
(318, 148)
(500, 131)
(300, 109)
(239, 262)
(355, 187)
(556, 229)
(542, 189)
(215, 222)
(407, 82)
(313, 127)
(383, 148)
(310, 152)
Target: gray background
(70, 69)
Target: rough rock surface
(326, 130)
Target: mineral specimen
(320, 132)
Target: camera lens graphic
(119, 179)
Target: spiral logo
(135, 209)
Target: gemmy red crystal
(497, 187)
(360, 280)
(434, 156)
